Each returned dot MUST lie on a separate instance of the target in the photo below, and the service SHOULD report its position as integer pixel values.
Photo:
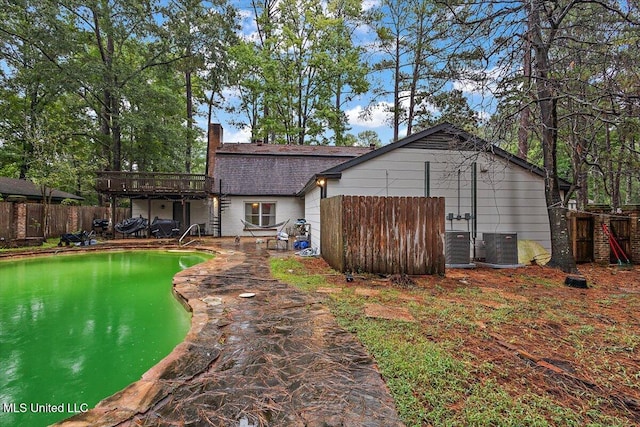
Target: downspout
(459, 216)
(427, 179)
(474, 205)
(219, 208)
(387, 181)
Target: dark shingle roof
(21, 187)
(275, 170)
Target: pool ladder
(187, 232)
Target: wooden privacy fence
(387, 235)
(20, 221)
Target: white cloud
(248, 26)
(370, 4)
(237, 135)
(371, 118)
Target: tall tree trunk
(105, 126)
(525, 114)
(561, 248)
(338, 127)
(116, 130)
(396, 92)
(109, 120)
(583, 190)
(187, 159)
(628, 199)
(414, 86)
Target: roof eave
(314, 179)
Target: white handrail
(187, 232)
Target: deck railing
(154, 183)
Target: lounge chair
(79, 239)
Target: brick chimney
(214, 141)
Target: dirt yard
(578, 347)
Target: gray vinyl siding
(312, 215)
(509, 197)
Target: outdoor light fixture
(320, 182)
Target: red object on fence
(615, 246)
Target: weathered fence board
(34, 220)
(6, 220)
(331, 232)
(28, 220)
(60, 220)
(388, 235)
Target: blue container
(300, 244)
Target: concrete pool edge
(161, 378)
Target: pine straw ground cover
(484, 347)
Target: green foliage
(448, 106)
(413, 37)
(88, 87)
(367, 138)
(124, 203)
(295, 79)
(70, 202)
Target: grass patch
(292, 271)
(51, 242)
(437, 368)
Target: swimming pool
(76, 329)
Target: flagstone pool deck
(276, 359)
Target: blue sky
(377, 120)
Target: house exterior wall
(510, 199)
(287, 208)
(312, 215)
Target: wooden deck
(149, 184)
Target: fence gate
(584, 239)
(621, 230)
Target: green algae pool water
(75, 329)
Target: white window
(260, 213)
